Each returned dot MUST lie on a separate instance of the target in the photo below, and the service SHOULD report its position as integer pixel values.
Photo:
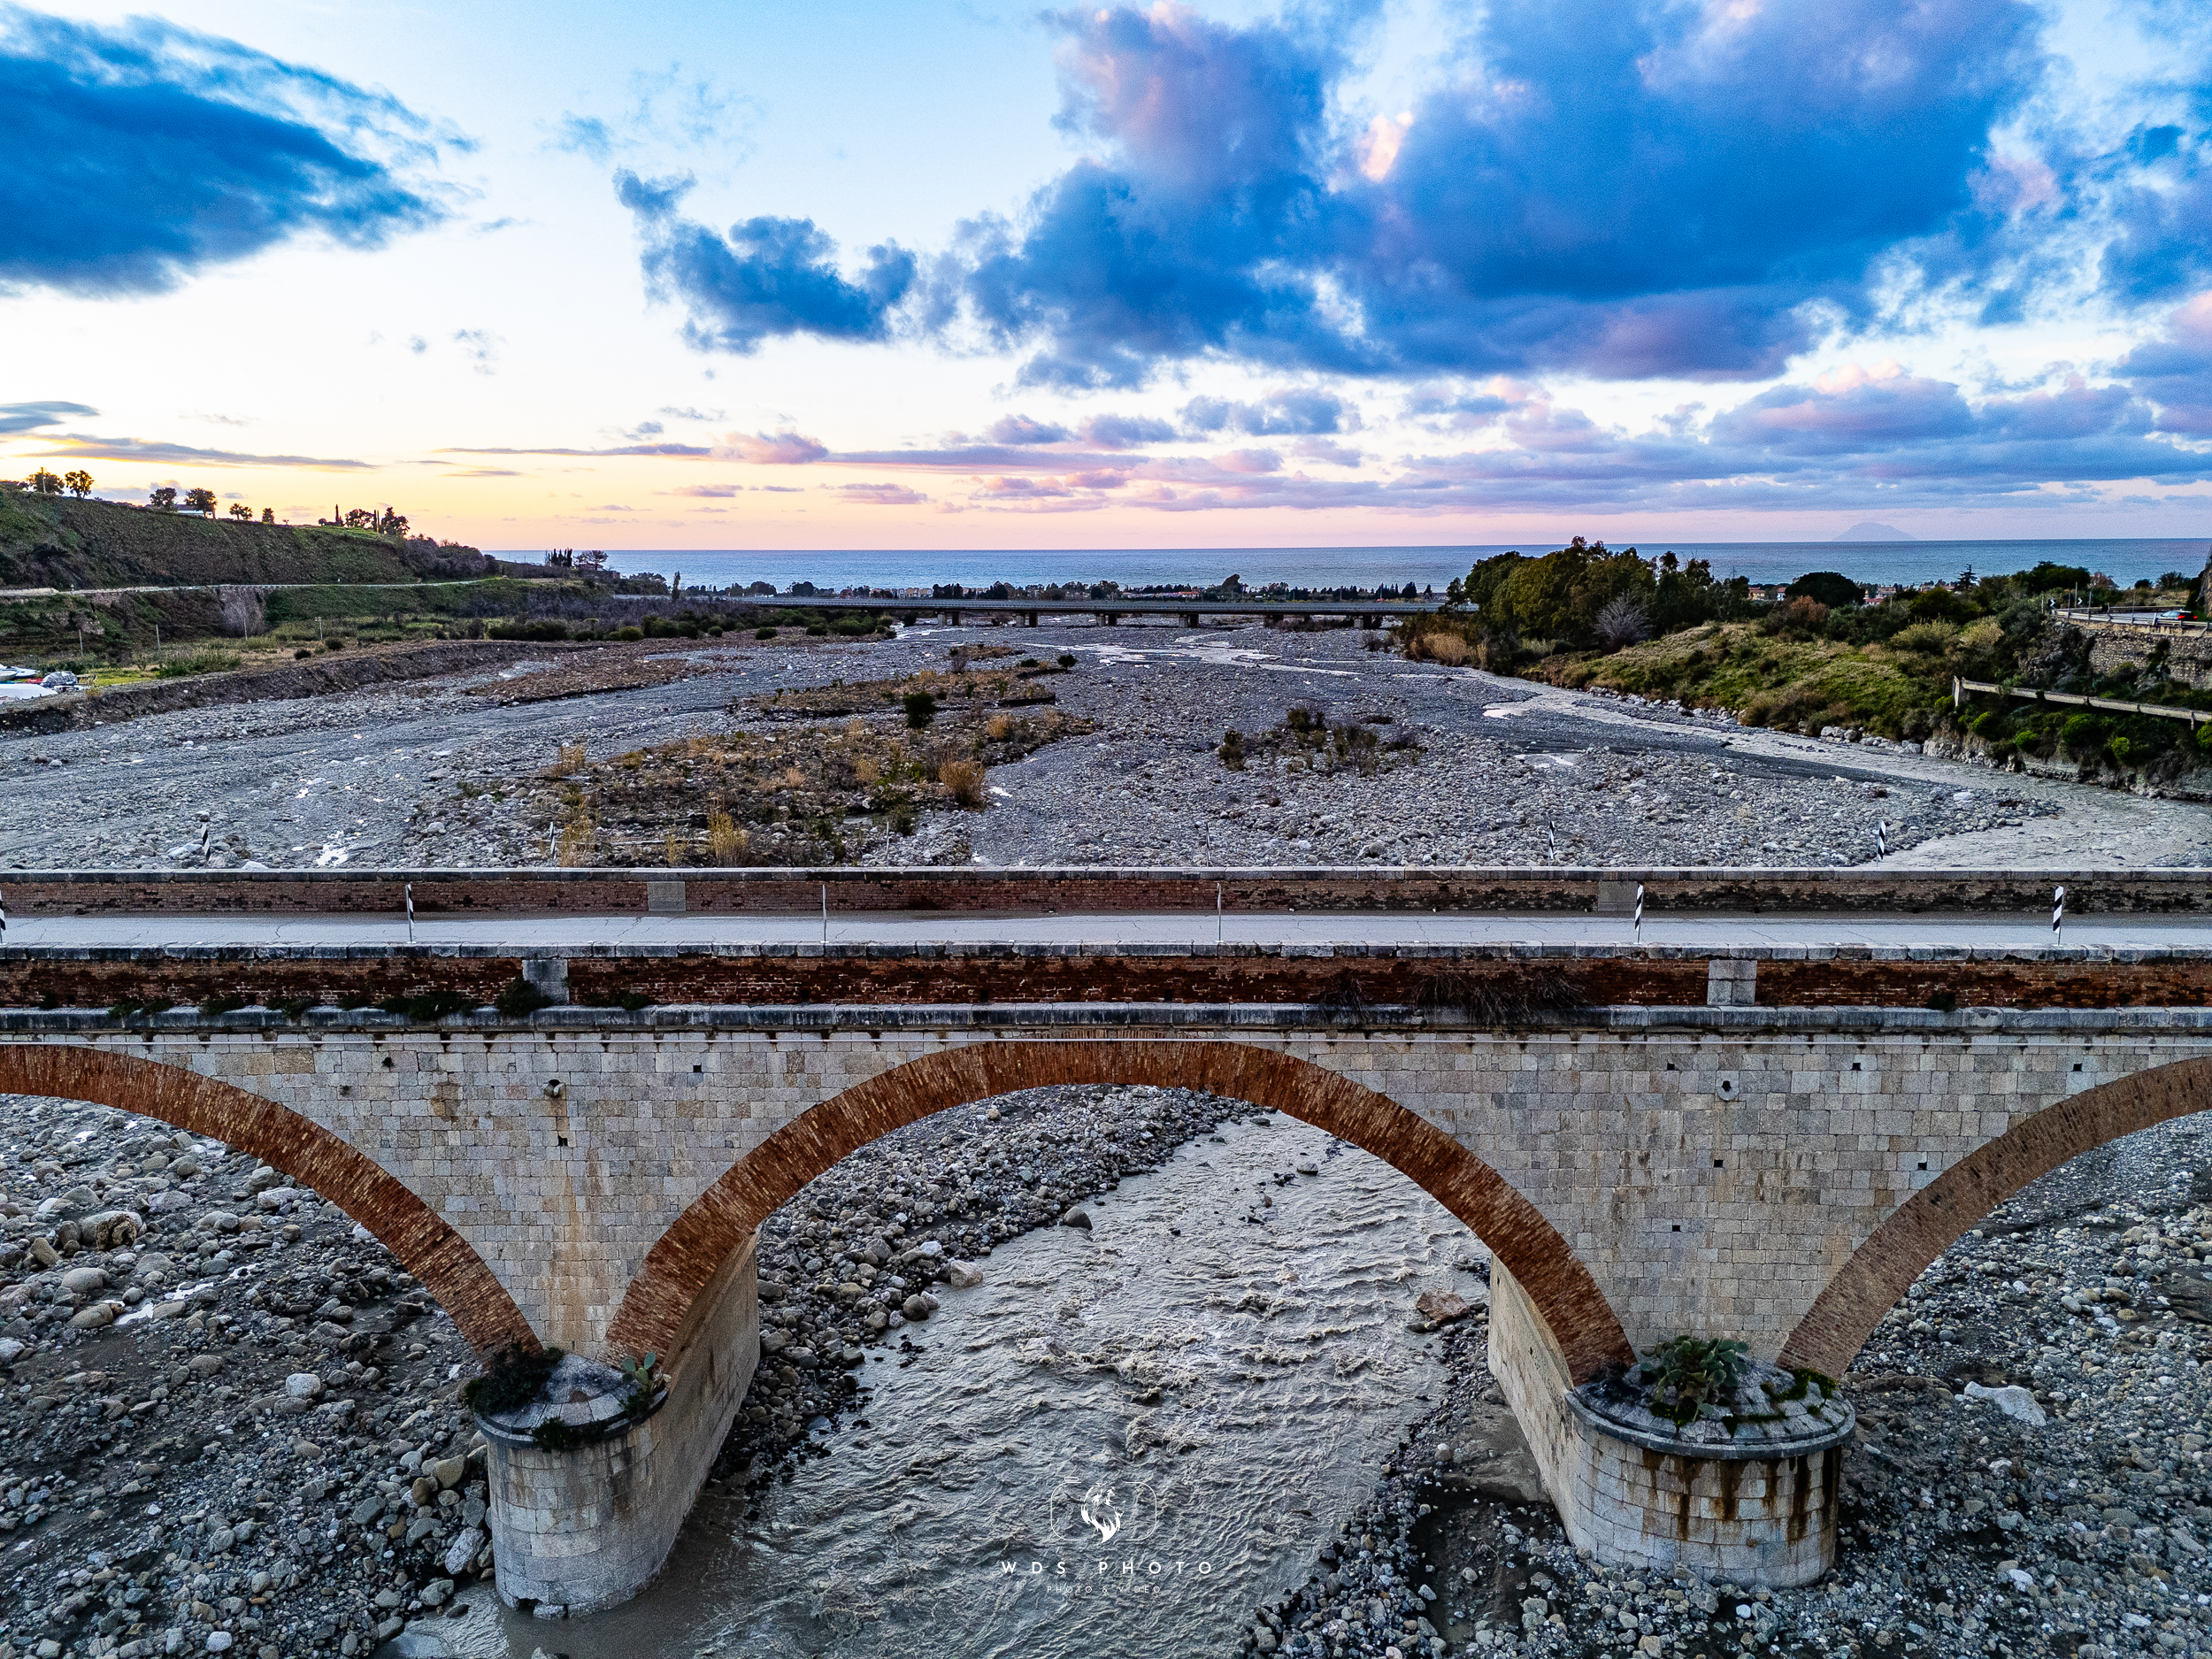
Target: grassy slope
(49, 541)
(1769, 682)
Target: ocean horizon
(2125, 560)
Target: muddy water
(1117, 1444)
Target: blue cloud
(1623, 190)
(30, 416)
(769, 277)
(1022, 429)
(1280, 413)
(139, 154)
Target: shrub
(543, 628)
(576, 843)
(1624, 619)
(569, 758)
(628, 634)
(763, 634)
(1066, 659)
(1928, 639)
(515, 1378)
(964, 781)
(424, 1006)
(1448, 649)
(1231, 751)
(198, 663)
(1800, 615)
(519, 999)
(725, 842)
(921, 708)
(553, 1435)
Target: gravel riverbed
(1507, 772)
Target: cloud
(769, 278)
(31, 416)
(1280, 414)
(2174, 371)
(882, 495)
(1127, 432)
(676, 450)
(79, 447)
(762, 448)
(1020, 429)
(1620, 189)
(710, 492)
(139, 155)
(480, 346)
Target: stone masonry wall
(1712, 1181)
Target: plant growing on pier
(644, 1384)
(515, 1377)
(1688, 1372)
(520, 998)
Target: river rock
(1077, 1216)
(915, 1307)
(2014, 1400)
(447, 1471)
(463, 1549)
(304, 1385)
(11, 1350)
(963, 1275)
(99, 1314)
(110, 1229)
(1442, 1306)
(82, 1281)
(42, 1250)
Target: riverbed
(1118, 1443)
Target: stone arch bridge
(1766, 1142)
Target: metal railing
(2163, 710)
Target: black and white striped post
(1881, 839)
(207, 839)
(1552, 842)
(408, 891)
(3, 920)
(1639, 913)
(1216, 912)
(2058, 916)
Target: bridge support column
(590, 1526)
(1758, 1516)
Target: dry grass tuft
(569, 757)
(576, 843)
(725, 842)
(963, 782)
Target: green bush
(1688, 1372)
(543, 628)
(921, 708)
(763, 634)
(519, 999)
(628, 635)
(514, 1378)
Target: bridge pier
(587, 1527)
(1765, 1513)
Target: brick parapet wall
(1531, 981)
(1095, 890)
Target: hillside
(58, 541)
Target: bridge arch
(448, 1267)
(1879, 1271)
(664, 1299)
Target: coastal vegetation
(1831, 654)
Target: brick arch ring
(1879, 1271)
(444, 1262)
(662, 1304)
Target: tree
(392, 524)
(359, 518)
(78, 483)
(594, 561)
(163, 498)
(200, 501)
(241, 512)
(45, 483)
(1830, 588)
(268, 515)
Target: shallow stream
(1116, 1445)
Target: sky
(917, 275)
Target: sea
(2125, 561)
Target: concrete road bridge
(1367, 613)
(1762, 1125)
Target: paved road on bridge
(1173, 928)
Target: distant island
(1869, 531)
